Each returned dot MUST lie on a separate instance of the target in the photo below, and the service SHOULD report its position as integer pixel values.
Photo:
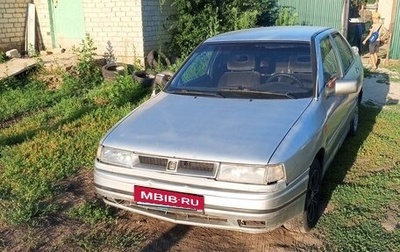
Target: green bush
(197, 20)
(287, 16)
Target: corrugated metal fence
(394, 52)
(317, 12)
(329, 13)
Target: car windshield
(247, 70)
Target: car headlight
(116, 156)
(251, 174)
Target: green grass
(363, 187)
(48, 136)
(91, 212)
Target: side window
(345, 52)
(329, 60)
(198, 67)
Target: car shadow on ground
(376, 90)
(168, 239)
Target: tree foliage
(196, 20)
(287, 16)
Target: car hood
(207, 128)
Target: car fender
(302, 143)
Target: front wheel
(354, 122)
(309, 218)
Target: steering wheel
(295, 81)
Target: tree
(197, 20)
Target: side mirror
(161, 80)
(346, 86)
(340, 87)
(355, 50)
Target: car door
(351, 70)
(330, 70)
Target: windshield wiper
(252, 91)
(197, 93)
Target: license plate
(157, 197)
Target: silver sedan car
(241, 135)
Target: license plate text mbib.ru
(149, 196)
(146, 195)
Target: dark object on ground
(144, 78)
(110, 70)
(154, 58)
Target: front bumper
(230, 206)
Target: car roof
(271, 33)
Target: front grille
(185, 167)
(197, 168)
(153, 161)
(207, 167)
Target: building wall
(155, 24)
(44, 40)
(131, 28)
(12, 24)
(117, 22)
(385, 8)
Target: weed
(3, 57)
(105, 238)
(109, 54)
(86, 69)
(91, 212)
(121, 91)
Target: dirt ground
(55, 233)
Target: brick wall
(133, 27)
(12, 24)
(44, 40)
(118, 22)
(155, 22)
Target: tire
(144, 78)
(111, 69)
(310, 216)
(354, 122)
(154, 57)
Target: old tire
(144, 78)
(110, 70)
(310, 216)
(154, 57)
